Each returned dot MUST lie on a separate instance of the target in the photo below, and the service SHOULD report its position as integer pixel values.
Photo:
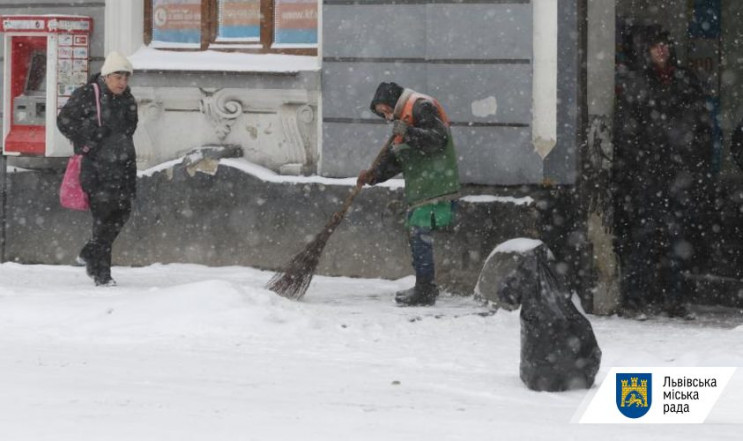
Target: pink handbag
(71, 193)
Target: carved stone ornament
(221, 108)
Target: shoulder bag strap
(86, 149)
(98, 102)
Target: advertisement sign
(296, 22)
(239, 20)
(176, 21)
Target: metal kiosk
(46, 58)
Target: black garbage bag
(558, 348)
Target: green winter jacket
(427, 160)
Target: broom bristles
(294, 280)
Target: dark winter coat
(662, 144)
(736, 145)
(109, 160)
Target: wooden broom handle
(351, 196)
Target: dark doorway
(707, 37)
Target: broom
(294, 280)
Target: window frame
(209, 9)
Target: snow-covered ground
(187, 352)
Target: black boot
(105, 281)
(90, 255)
(422, 294)
(91, 268)
(85, 256)
(103, 275)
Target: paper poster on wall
(239, 20)
(72, 64)
(80, 52)
(296, 22)
(176, 22)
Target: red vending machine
(46, 58)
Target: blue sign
(705, 19)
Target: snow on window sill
(151, 59)
(219, 45)
(166, 45)
(293, 46)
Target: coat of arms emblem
(634, 394)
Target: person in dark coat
(423, 151)
(109, 170)
(736, 145)
(662, 165)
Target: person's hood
(660, 36)
(387, 93)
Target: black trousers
(653, 259)
(109, 216)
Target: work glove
(366, 177)
(399, 127)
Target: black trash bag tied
(559, 350)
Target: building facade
(528, 85)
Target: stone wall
(217, 213)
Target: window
(257, 26)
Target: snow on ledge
(159, 167)
(16, 169)
(481, 199)
(519, 245)
(147, 58)
(267, 175)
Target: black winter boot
(91, 268)
(422, 294)
(105, 281)
(103, 276)
(85, 255)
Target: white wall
(124, 27)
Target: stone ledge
(232, 217)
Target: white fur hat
(115, 62)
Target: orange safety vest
(407, 111)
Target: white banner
(664, 395)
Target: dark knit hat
(387, 93)
(656, 36)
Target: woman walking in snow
(109, 171)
